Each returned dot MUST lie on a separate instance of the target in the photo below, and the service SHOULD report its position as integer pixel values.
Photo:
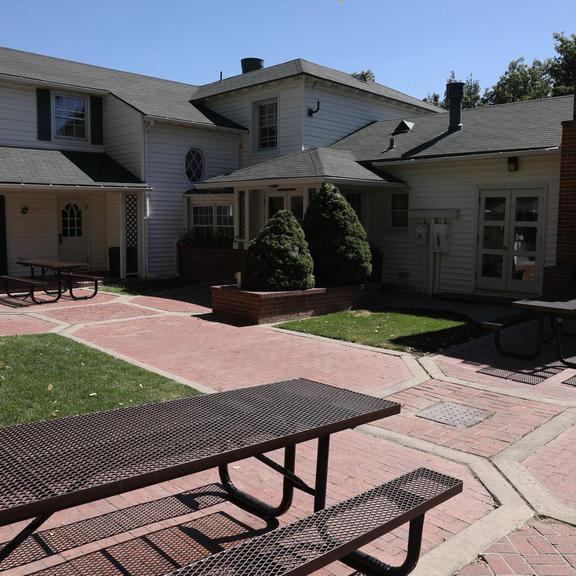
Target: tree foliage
(337, 240)
(472, 96)
(279, 259)
(562, 67)
(364, 75)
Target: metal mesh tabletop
(328, 535)
(48, 466)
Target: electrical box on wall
(440, 233)
(421, 232)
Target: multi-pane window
(213, 224)
(267, 125)
(399, 210)
(71, 221)
(70, 116)
(194, 164)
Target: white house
(110, 168)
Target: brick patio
(152, 530)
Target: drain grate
(526, 376)
(454, 414)
(570, 381)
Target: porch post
(241, 222)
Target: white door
(510, 240)
(73, 233)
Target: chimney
(455, 93)
(251, 64)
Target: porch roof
(63, 168)
(314, 163)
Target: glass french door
(510, 240)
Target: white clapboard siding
(113, 216)
(239, 108)
(124, 134)
(166, 149)
(455, 185)
(343, 112)
(18, 124)
(30, 235)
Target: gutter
(36, 82)
(470, 156)
(67, 187)
(191, 124)
(278, 182)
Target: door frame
(542, 190)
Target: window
(194, 164)
(399, 211)
(267, 125)
(212, 225)
(70, 116)
(71, 221)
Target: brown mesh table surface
(52, 465)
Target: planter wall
(209, 265)
(267, 307)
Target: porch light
(24, 210)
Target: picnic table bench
(50, 466)
(22, 288)
(555, 308)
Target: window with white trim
(267, 124)
(194, 164)
(212, 224)
(70, 114)
(399, 210)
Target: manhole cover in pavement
(455, 414)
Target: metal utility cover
(454, 414)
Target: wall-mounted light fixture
(312, 111)
(24, 210)
(513, 164)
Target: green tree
(520, 82)
(472, 97)
(562, 67)
(364, 75)
(279, 259)
(337, 240)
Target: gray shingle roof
(507, 127)
(56, 167)
(311, 163)
(297, 67)
(151, 96)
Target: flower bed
(266, 307)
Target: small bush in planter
(337, 240)
(279, 259)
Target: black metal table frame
(557, 325)
(61, 288)
(40, 512)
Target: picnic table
(554, 308)
(49, 466)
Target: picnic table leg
(256, 506)
(370, 566)
(523, 355)
(322, 457)
(558, 326)
(22, 536)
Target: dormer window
(70, 116)
(267, 129)
(194, 164)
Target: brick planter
(209, 265)
(266, 307)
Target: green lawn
(48, 376)
(141, 286)
(419, 331)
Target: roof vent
(403, 127)
(251, 64)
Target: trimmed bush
(337, 240)
(279, 259)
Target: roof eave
(87, 187)
(278, 182)
(191, 123)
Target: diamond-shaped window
(194, 164)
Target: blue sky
(411, 45)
